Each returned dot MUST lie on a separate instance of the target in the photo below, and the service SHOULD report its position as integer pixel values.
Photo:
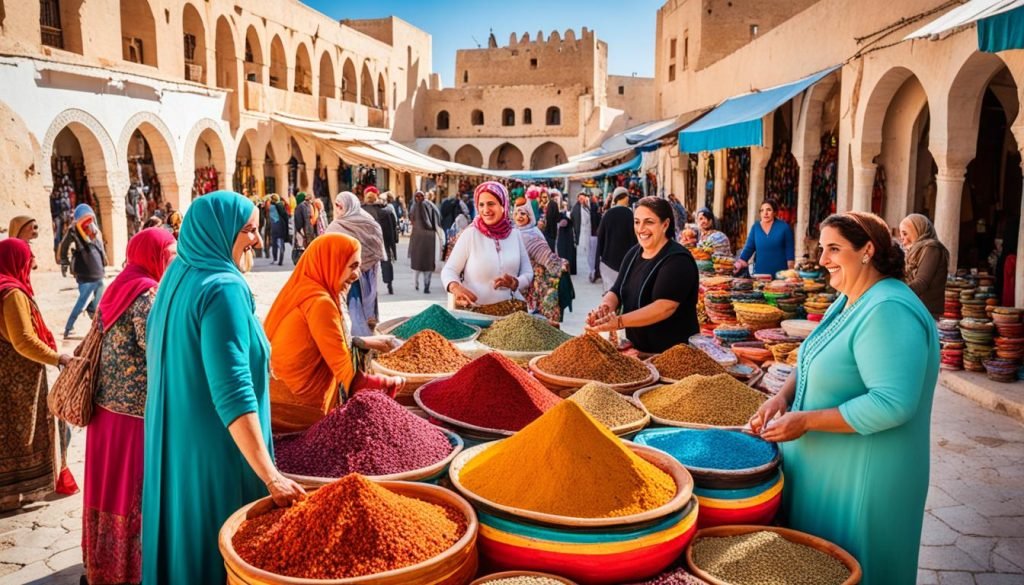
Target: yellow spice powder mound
(568, 464)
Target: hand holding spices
(591, 357)
(705, 400)
(521, 332)
(426, 352)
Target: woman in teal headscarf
(208, 447)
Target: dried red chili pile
(491, 392)
(371, 434)
(350, 528)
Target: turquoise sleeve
(224, 341)
(892, 355)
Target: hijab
(85, 223)
(354, 221)
(16, 274)
(926, 238)
(503, 227)
(149, 255)
(17, 224)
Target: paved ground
(973, 531)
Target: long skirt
(362, 303)
(27, 469)
(112, 520)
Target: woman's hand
(776, 405)
(506, 281)
(788, 427)
(463, 296)
(599, 314)
(284, 491)
(380, 343)
(64, 359)
(739, 264)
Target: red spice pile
(350, 528)
(490, 392)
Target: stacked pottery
(977, 334)
(729, 334)
(817, 303)
(1009, 344)
(718, 306)
(951, 344)
(758, 316)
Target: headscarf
(148, 257)
(299, 198)
(209, 231)
(16, 225)
(370, 189)
(926, 238)
(16, 274)
(352, 220)
(85, 223)
(503, 227)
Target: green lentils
(437, 318)
(525, 580)
(521, 332)
(766, 558)
(606, 405)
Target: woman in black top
(655, 296)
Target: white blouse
(475, 261)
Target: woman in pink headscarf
(111, 522)
(489, 263)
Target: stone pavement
(973, 528)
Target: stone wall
(560, 58)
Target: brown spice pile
(500, 309)
(708, 400)
(427, 352)
(680, 361)
(592, 357)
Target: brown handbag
(71, 397)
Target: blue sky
(627, 27)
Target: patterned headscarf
(503, 227)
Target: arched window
(508, 117)
(477, 118)
(465, 77)
(554, 117)
(527, 116)
(442, 120)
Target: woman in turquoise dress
(854, 420)
(208, 447)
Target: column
(701, 171)
(110, 189)
(720, 181)
(332, 181)
(171, 190)
(803, 205)
(281, 178)
(949, 184)
(257, 172)
(863, 182)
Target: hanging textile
(823, 185)
(690, 197)
(709, 182)
(206, 181)
(780, 181)
(734, 216)
(878, 191)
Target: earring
(864, 260)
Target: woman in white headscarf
(352, 220)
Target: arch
(506, 157)
(469, 155)
(303, 82)
(161, 143)
(443, 120)
(195, 44)
(553, 117)
(208, 132)
(382, 92)
(366, 90)
(349, 89)
(227, 58)
(527, 116)
(476, 118)
(328, 88)
(547, 155)
(278, 64)
(253, 55)
(508, 117)
(955, 134)
(903, 148)
(872, 114)
(439, 153)
(97, 147)
(138, 32)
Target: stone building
(921, 125)
(182, 97)
(530, 104)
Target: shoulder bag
(71, 397)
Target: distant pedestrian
(927, 262)
(565, 242)
(84, 243)
(350, 219)
(277, 214)
(423, 243)
(384, 215)
(615, 236)
(25, 229)
(584, 229)
(679, 214)
(549, 201)
(305, 225)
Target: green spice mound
(521, 332)
(766, 558)
(437, 318)
(606, 405)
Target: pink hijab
(501, 229)
(149, 255)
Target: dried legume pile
(500, 309)
(371, 434)
(606, 405)
(674, 577)
(567, 463)
(427, 352)
(713, 448)
(765, 558)
(709, 400)
(521, 332)
(592, 357)
(680, 361)
(350, 528)
(524, 580)
(491, 392)
(437, 318)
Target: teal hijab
(208, 233)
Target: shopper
(423, 242)
(84, 243)
(278, 215)
(770, 243)
(25, 229)
(927, 262)
(551, 291)
(385, 217)
(710, 237)
(350, 219)
(615, 236)
(584, 229)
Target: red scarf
(149, 254)
(15, 274)
(503, 227)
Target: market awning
(736, 122)
(1000, 24)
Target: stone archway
(903, 148)
(278, 64)
(469, 155)
(507, 157)
(204, 148)
(161, 144)
(547, 155)
(303, 82)
(195, 49)
(227, 68)
(366, 90)
(349, 88)
(254, 62)
(439, 153)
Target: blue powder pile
(712, 448)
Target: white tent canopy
(964, 15)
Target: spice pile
(427, 352)
(437, 318)
(500, 309)
(371, 434)
(712, 448)
(568, 464)
(592, 357)
(766, 557)
(606, 405)
(350, 528)
(680, 361)
(674, 577)
(525, 580)
(521, 332)
(490, 392)
(708, 400)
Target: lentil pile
(350, 528)
(592, 357)
(525, 580)
(371, 434)
(765, 558)
(680, 361)
(568, 464)
(713, 448)
(427, 352)
(500, 309)
(521, 332)
(708, 400)
(606, 405)
(437, 318)
(674, 577)
(491, 392)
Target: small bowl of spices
(621, 414)
(522, 578)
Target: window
(622, 90)
(672, 49)
(686, 50)
(465, 77)
(477, 118)
(527, 116)
(508, 117)
(442, 120)
(554, 117)
(190, 48)
(671, 72)
(533, 63)
(49, 23)
(753, 31)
